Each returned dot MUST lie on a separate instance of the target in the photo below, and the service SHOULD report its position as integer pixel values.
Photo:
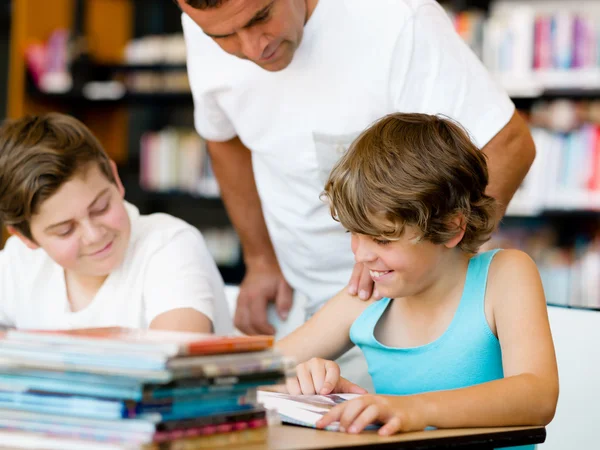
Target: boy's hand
(397, 413)
(320, 376)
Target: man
(281, 87)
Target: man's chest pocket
(329, 149)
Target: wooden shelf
(147, 99)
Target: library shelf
(155, 98)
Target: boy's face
(84, 226)
(403, 267)
(266, 32)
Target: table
(287, 437)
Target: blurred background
(119, 65)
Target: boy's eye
(381, 241)
(102, 209)
(64, 232)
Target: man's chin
(277, 65)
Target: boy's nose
(91, 232)
(363, 252)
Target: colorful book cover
(168, 343)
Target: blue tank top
(468, 353)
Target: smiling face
(266, 32)
(404, 267)
(84, 226)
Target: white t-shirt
(167, 266)
(358, 61)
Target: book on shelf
(304, 410)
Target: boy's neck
(451, 276)
(82, 289)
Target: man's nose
(253, 44)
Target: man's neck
(310, 7)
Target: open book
(304, 410)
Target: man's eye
(261, 18)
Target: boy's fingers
(366, 417)
(318, 374)
(331, 378)
(352, 410)
(392, 426)
(292, 385)
(345, 386)
(332, 416)
(305, 379)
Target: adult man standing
(281, 87)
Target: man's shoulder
(387, 9)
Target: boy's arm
(528, 393)
(180, 281)
(326, 334)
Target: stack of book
(115, 388)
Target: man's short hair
(38, 154)
(413, 169)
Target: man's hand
(320, 376)
(396, 413)
(260, 287)
(361, 283)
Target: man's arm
(510, 154)
(263, 282)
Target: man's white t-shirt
(167, 266)
(358, 61)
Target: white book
(304, 410)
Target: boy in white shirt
(81, 256)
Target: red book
(167, 343)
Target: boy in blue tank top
(460, 338)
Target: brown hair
(38, 154)
(413, 169)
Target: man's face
(84, 226)
(266, 32)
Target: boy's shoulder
(159, 228)
(18, 255)
(511, 260)
(510, 270)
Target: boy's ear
(458, 223)
(28, 242)
(115, 173)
